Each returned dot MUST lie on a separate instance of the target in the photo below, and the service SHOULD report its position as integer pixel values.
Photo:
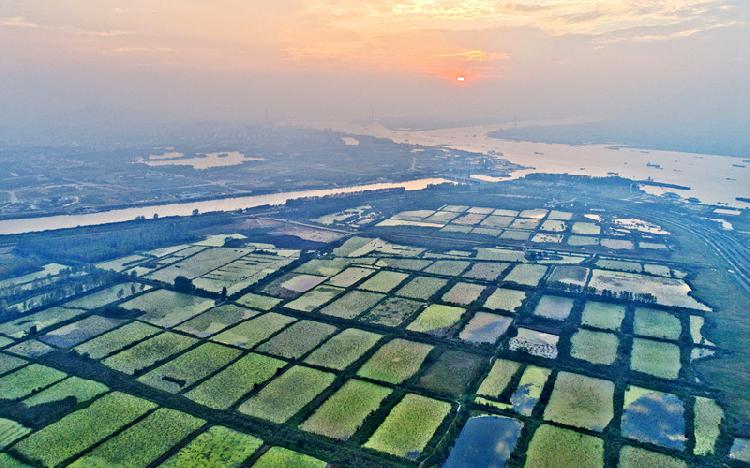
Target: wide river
(712, 179)
(24, 225)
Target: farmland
(395, 345)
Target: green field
(555, 447)
(350, 276)
(343, 349)
(655, 358)
(342, 413)
(498, 378)
(10, 431)
(529, 390)
(218, 446)
(278, 456)
(603, 315)
(153, 436)
(656, 323)
(284, 396)
(395, 361)
(149, 352)
(489, 271)
(463, 293)
(392, 312)
(190, 367)
(383, 281)
(422, 287)
(300, 338)
(113, 341)
(508, 300)
(634, 457)
(167, 308)
(77, 332)
(436, 320)
(41, 320)
(258, 301)
(315, 298)
(594, 347)
(452, 372)
(250, 333)
(73, 387)
(447, 267)
(409, 426)
(27, 380)
(526, 274)
(215, 320)
(581, 401)
(352, 304)
(81, 429)
(226, 387)
(708, 417)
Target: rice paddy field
(378, 350)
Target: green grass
(508, 300)
(277, 457)
(79, 389)
(82, 429)
(589, 229)
(149, 352)
(489, 271)
(77, 332)
(452, 372)
(594, 347)
(284, 396)
(343, 349)
(298, 339)
(10, 431)
(555, 447)
(395, 361)
(498, 378)
(215, 320)
(526, 274)
(656, 323)
(167, 308)
(463, 293)
(554, 307)
(218, 446)
(43, 319)
(229, 385)
(422, 287)
(250, 333)
(392, 312)
(190, 367)
(343, 413)
(582, 241)
(153, 436)
(315, 298)
(581, 401)
(258, 301)
(113, 341)
(383, 281)
(9, 363)
(27, 380)
(447, 267)
(350, 276)
(603, 315)
(708, 417)
(634, 457)
(409, 426)
(436, 319)
(655, 358)
(352, 304)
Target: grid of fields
(375, 351)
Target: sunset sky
(232, 59)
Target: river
(712, 179)
(26, 225)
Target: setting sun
(460, 78)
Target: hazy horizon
(115, 66)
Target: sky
(109, 61)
